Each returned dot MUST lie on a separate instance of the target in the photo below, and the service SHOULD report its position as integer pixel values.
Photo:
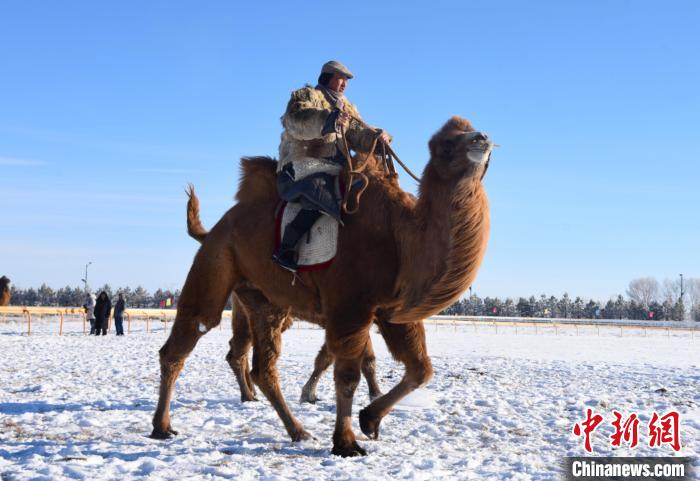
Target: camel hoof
(369, 425)
(349, 451)
(159, 434)
(301, 435)
(248, 399)
(308, 398)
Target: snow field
(500, 406)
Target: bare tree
(671, 290)
(692, 296)
(643, 291)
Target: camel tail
(194, 225)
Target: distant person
(89, 307)
(119, 308)
(5, 291)
(103, 307)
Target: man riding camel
(312, 153)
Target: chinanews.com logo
(623, 469)
(661, 431)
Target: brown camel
(399, 261)
(242, 339)
(5, 293)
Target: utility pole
(86, 277)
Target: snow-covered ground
(501, 405)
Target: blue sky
(108, 109)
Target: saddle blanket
(317, 248)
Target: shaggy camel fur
(242, 338)
(399, 261)
(4, 291)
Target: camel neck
(439, 260)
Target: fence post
(29, 323)
(60, 329)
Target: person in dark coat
(119, 308)
(103, 306)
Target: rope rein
(388, 156)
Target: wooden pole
(60, 329)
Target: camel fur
(399, 261)
(242, 339)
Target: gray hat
(334, 66)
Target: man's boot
(286, 254)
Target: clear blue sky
(108, 109)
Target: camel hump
(258, 178)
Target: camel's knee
(347, 377)
(421, 373)
(264, 371)
(172, 353)
(237, 360)
(369, 360)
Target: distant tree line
(75, 296)
(646, 299)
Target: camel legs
(267, 326)
(347, 339)
(203, 298)
(369, 371)
(237, 357)
(406, 343)
(323, 361)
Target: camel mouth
(478, 147)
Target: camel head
(457, 151)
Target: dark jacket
(119, 308)
(102, 307)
